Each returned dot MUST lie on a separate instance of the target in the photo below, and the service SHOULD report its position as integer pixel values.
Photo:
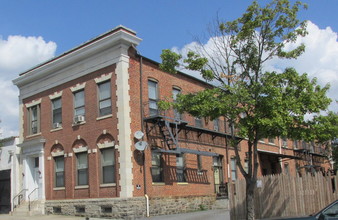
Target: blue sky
(161, 24)
(32, 31)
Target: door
(5, 191)
(34, 192)
(220, 187)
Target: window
(199, 163)
(177, 115)
(57, 112)
(216, 124)
(198, 122)
(36, 162)
(153, 97)
(284, 142)
(233, 169)
(108, 165)
(295, 144)
(82, 168)
(246, 165)
(286, 168)
(104, 99)
(59, 171)
(156, 167)
(79, 103)
(34, 119)
(271, 140)
(180, 167)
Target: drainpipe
(280, 152)
(142, 129)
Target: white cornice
(102, 51)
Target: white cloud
(17, 54)
(320, 59)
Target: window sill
(56, 129)
(82, 187)
(107, 185)
(158, 184)
(33, 135)
(59, 188)
(80, 123)
(104, 117)
(182, 183)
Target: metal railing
(29, 199)
(221, 190)
(19, 198)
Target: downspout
(280, 152)
(142, 129)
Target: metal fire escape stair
(169, 138)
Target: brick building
(94, 143)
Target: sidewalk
(218, 214)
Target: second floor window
(216, 124)
(79, 103)
(59, 171)
(104, 99)
(198, 122)
(153, 97)
(57, 112)
(82, 168)
(176, 92)
(34, 119)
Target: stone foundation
(129, 208)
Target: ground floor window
(82, 168)
(180, 168)
(59, 171)
(156, 167)
(108, 165)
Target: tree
(257, 103)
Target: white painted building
(10, 183)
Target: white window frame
(104, 99)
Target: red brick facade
(200, 181)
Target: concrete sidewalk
(219, 214)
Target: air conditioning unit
(57, 125)
(79, 119)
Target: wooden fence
(284, 195)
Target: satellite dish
(141, 145)
(138, 135)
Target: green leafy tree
(257, 103)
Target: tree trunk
(250, 202)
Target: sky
(32, 31)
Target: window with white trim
(176, 92)
(198, 122)
(79, 103)
(105, 107)
(34, 119)
(153, 97)
(216, 124)
(108, 165)
(82, 168)
(57, 112)
(233, 169)
(59, 171)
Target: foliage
(258, 103)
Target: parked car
(330, 212)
